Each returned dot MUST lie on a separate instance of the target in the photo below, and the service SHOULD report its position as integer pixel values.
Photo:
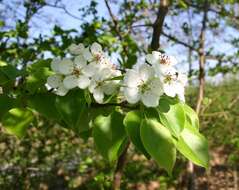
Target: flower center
(76, 72)
(165, 60)
(97, 57)
(144, 87)
(168, 78)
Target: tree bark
(158, 24)
(201, 78)
(119, 168)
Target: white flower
(65, 66)
(174, 83)
(142, 85)
(160, 62)
(61, 90)
(78, 75)
(76, 49)
(56, 81)
(54, 65)
(101, 84)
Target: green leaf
(6, 103)
(193, 146)
(38, 73)
(191, 116)
(73, 110)
(109, 135)
(158, 142)
(132, 123)
(17, 120)
(171, 115)
(44, 103)
(10, 71)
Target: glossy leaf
(44, 103)
(191, 116)
(17, 120)
(109, 135)
(73, 110)
(132, 123)
(158, 142)
(171, 115)
(193, 146)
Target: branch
(219, 12)
(114, 19)
(119, 168)
(158, 24)
(170, 37)
(179, 41)
(116, 25)
(122, 104)
(64, 9)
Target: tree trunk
(119, 169)
(201, 78)
(158, 24)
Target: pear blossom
(101, 84)
(76, 49)
(56, 82)
(174, 83)
(89, 68)
(160, 62)
(142, 84)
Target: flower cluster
(91, 69)
(88, 69)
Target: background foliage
(50, 156)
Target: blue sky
(47, 17)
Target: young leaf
(109, 135)
(132, 123)
(6, 103)
(193, 146)
(44, 103)
(191, 116)
(158, 142)
(171, 115)
(17, 120)
(73, 110)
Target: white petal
(106, 73)
(149, 99)
(179, 88)
(96, 48)
(156, 55)
(132, 95)
(109, 88)
(132, 78)
(146, 72)
(98, 95)
(150, 58)
(70, 81)
(83, 82)
(173, 60)
(169, 89)
(80, 61)
(182, 78)
(92, 86)
(55, 65)
(66, 66)
(87, 55)
(156, 86)
(54, 81)
(90, 70)
(76, 49)
(61, 90)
